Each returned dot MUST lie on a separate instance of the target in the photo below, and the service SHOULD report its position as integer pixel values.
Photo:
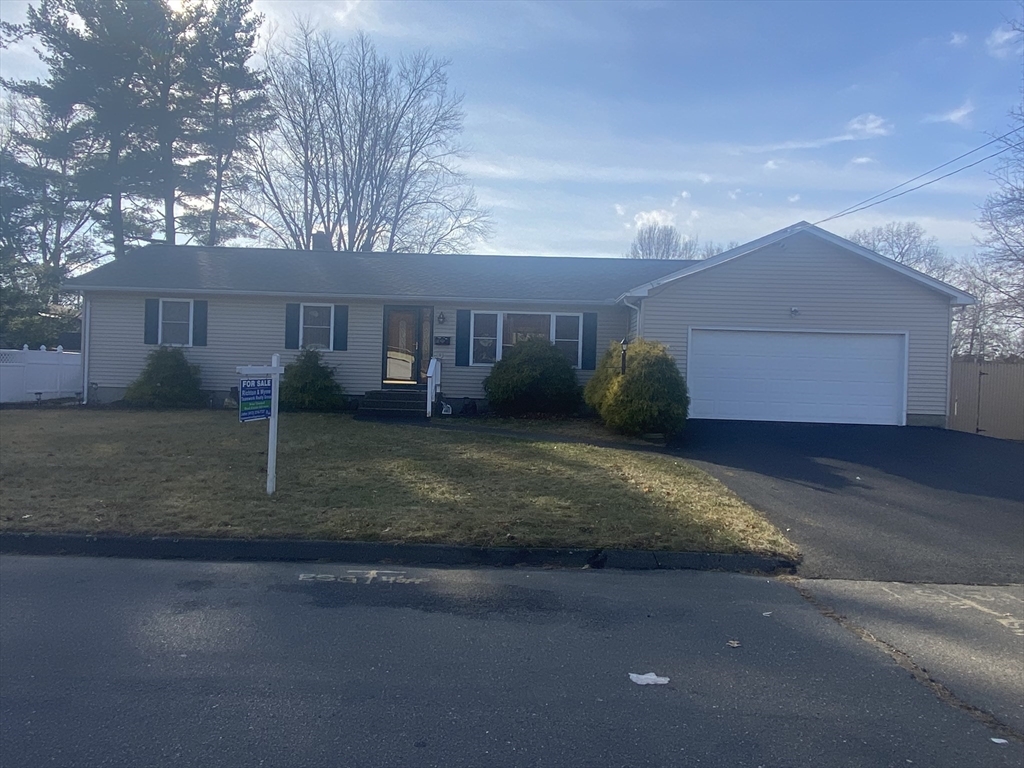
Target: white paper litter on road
(649, 679)
(1000, 741)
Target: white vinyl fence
(27, 375)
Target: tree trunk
(114, 179)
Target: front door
(406, 345)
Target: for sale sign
(254, 399)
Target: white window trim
(501, 328)
(191, 323)
(302, 325)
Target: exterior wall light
(440, 318)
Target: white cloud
(1004, 42)
(793, 198)
(862, 160)
(620, 210)
(867, 126)
(734, 194)
(771, 165)
(658, 216)
(957, 39)
(959, 116)
(703, 178)
(685, 195)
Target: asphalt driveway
(877, 503)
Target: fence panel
(26, 373)
(987, 398)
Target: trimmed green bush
(533, 377)
(167, 381)
(650, 397)
(608, 368)
(308, 385)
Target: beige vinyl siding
(833, 289)
(247, 330)
(467, 381)
(241, 330)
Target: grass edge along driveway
(201, 473)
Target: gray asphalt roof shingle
(421, 276)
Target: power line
(862, 204)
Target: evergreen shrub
(167, 381)
(308, 384)
(533, 377)
(650, 398)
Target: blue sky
(729, 120)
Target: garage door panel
(789, 376)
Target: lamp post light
(625, 343)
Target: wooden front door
(406, 345)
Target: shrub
(308, 385)
(533, 377)
(167, 381)
(608, 368)
(650, 397)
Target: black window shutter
(340, 327)
(291, 326)
(151, 333)
(589, 341)
(462, 340)
(199, 323)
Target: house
(799, 325)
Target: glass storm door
(406, 345)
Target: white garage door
(833, 378)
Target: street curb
(366, 552)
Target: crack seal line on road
(941, 692)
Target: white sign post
(251, 398)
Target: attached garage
(804, 326)
(823, 377)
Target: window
(568, 338)
(485, 338)
(317, 326)
(176, 322)
(564, 331)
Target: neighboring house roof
(198, 269)
(955, 294)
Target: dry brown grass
(202, 473)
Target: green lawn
(201, 473)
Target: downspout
(635, 308)
(86, 326)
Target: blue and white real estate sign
(254, 398)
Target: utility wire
(863, 203)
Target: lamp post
(625, 343)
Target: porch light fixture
(440, 318)
(625, 344)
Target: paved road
(129, 663)
(877, 503)
(969, 638)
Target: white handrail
(433, 383)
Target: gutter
(635, 308)
(399, 299)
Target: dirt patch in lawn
(201, 473)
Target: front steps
(394, 405)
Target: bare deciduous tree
(364, 150)
(1001, 245)
(663, 241)
(907, 243)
